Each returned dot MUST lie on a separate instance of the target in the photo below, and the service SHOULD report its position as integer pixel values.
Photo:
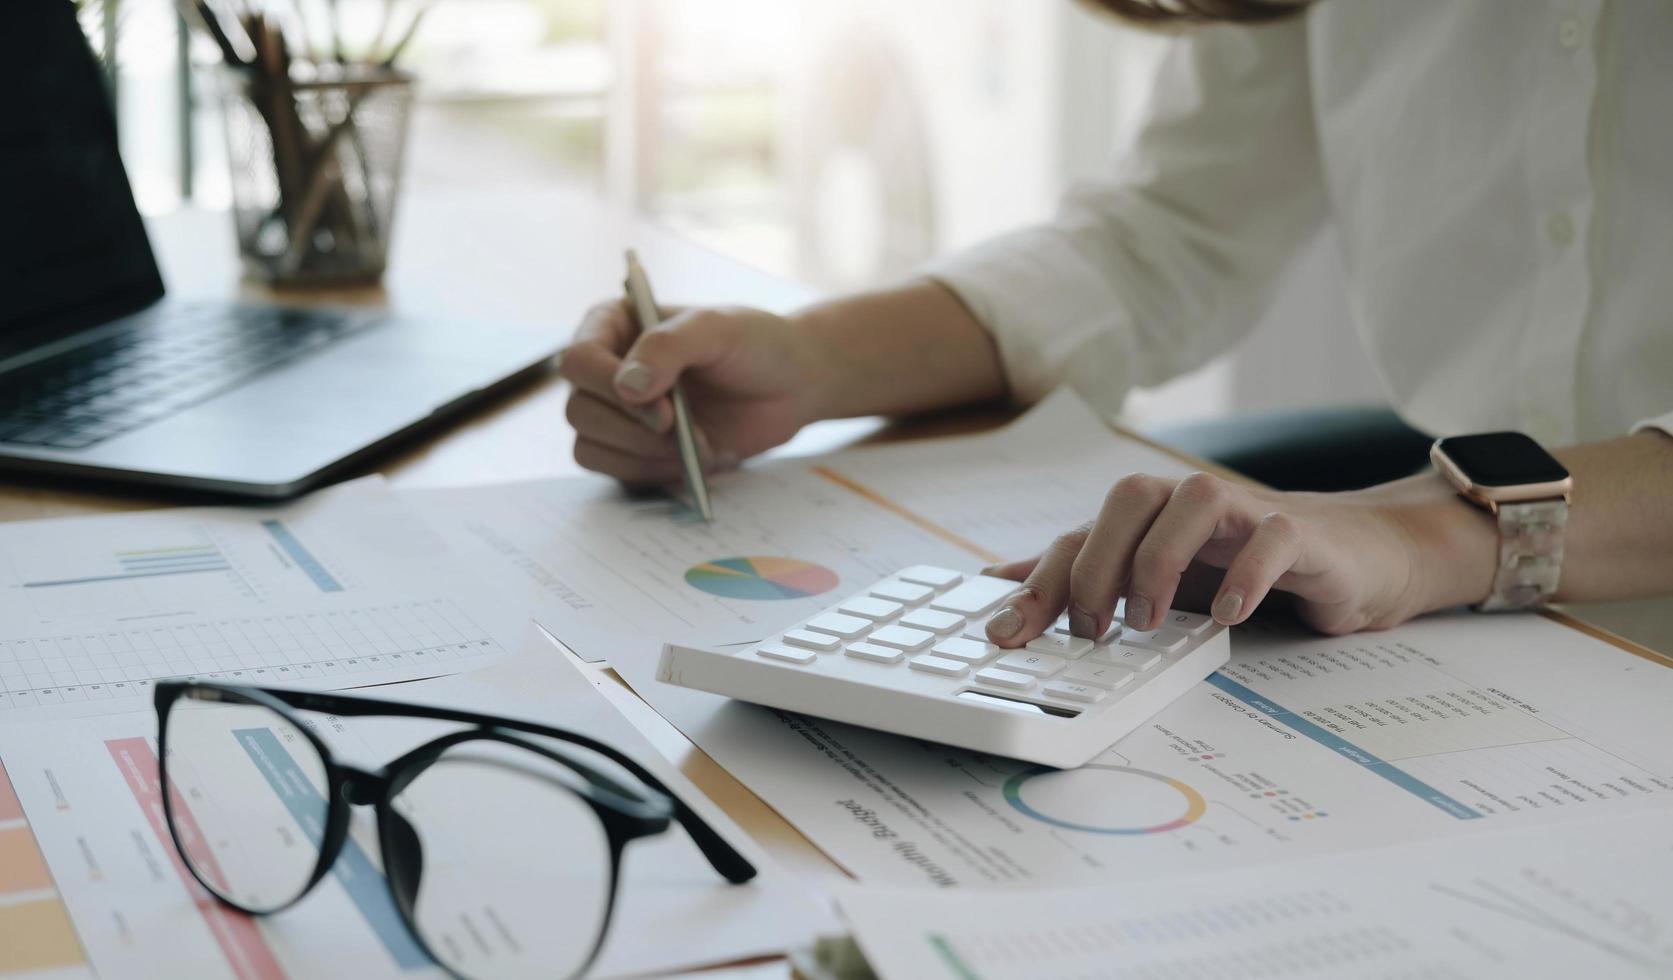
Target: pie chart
(761, 577)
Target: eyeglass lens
(516, 867)
(248, 803)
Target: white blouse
(1500, 173)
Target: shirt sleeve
(1161, 264)
(1661, 423)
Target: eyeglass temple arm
(721, 855)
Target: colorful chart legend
(761, 578)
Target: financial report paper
(603, 571)
(1546, 902)
(344, 588)
(1301, 746)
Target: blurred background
(837, 142)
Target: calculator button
(1070, 691)
(1106, 676)
(823, 642)
(1005, 678)
(938, 665)
(1160, 640)
(874, 653)
(872, 608)
(836, 624)
(1122, 655)
(939, 578)
(1189, 622)
(1068, 647)
(1061, 627)
(901, 638)
(966, 649)
(906, 592)
(1038, 664)
(774, 651)
(975, 597)
(933, 620)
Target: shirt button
(1568, 34)
(1560, 228)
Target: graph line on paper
(330, 647)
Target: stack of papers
(1459, 796)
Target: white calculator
(910, 655)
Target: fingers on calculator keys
(1000, 677)
(966, 649)
(778, 651)
(823, 642)
(933, 620)
(1070, 691)
(1132, 658)
(1106, 676)
(1038, 664)
(837, 624)
(895, 590)
(872, 608)
(1068, 647)
(939, 578)
(939, 665)
(875, 653)
(1162, 640)
(901, 638)
(975, 597)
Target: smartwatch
(1514, 478)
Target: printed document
(88, 791)
(1302, 745)
(344, 588)
(1552, 902)
(604, 571)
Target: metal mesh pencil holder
(316, 166)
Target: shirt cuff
(1051, 312)
(1661, 423)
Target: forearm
(1618, 543)
(893, 352)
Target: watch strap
(1530, 554)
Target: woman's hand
(749, 377)
(1363, 560)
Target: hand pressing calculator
(910, 655)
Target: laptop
(102, 376)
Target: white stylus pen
(691, 462)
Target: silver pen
(691, 462)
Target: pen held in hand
(645, 311)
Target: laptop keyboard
(156, 368)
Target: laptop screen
(72, 249)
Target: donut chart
(761, 577)
(1099, 799)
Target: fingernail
(1082, 624)
(1004, 624)
(1228, 606)
(1138, 612)
(650, 417)
(634, 378)
(990, 569)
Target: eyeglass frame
(625, 814)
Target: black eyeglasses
(500, 852)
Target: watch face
(1502, 459)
